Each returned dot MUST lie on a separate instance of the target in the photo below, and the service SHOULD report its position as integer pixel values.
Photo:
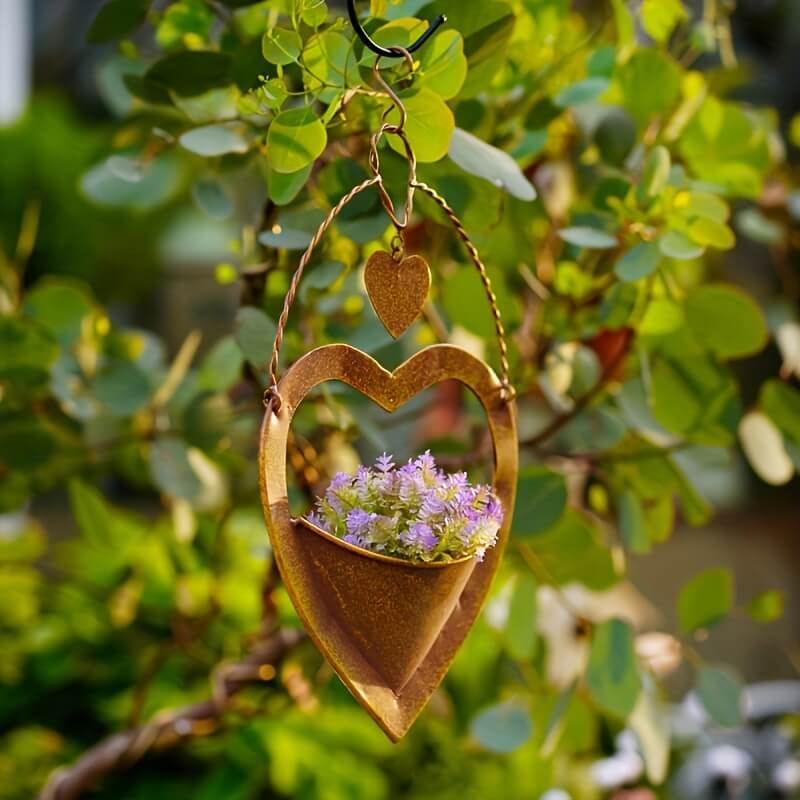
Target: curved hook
(390, 52)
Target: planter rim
(379, 556)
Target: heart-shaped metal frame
(304, 557)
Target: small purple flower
(415, 511)
(384, 463)
(420, 535)
(358, 521)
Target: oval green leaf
(726, 321)
(296, 139)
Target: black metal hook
(390, 52)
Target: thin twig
(580, 404)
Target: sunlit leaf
(485, 161)
(295, 139)
(765, 449)
(215, 140)
(429, 126)
(281, 46)
(727, 321)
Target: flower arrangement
(416, 512)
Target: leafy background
(627, 170)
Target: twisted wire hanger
(390, 52)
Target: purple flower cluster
(416, 512)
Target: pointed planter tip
(393, 610)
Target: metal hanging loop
(390, 52)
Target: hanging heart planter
(390, 627)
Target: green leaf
(211, 198)
(613, 673)
(281, 46)
(222, 367)
(96, 518)
(215, 140)
(296, 138)
(429, 126)
(159, 183)
(572, 551)
(122, 388)
(61, 307)
(585, 91)
(720, 692)
(313, 12)
(330, 64)
(705, 599)
(674, 244)
(767, 606)
(727, 321)
(479, 158)
(503, 728)
(254, 332)
(650, 84)
(284, 187)
(639, 262)
(781, 403)
(171, 469)
(25, 444)
(541, 501)
(709, 232)
(633, 523)
(660, 17)
(754, 225)
(191, 72)
(27, 351)
(118, 19)
(654, 174)
(590, 238)
(520, 633)
(443, 65)
(615, 136)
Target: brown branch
(580, 404)
(169, 729)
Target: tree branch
(171, 728)
(580, 404)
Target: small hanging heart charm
(397, 289)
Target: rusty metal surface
(397, 289)
(393, 656)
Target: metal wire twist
(271, 396)
(505, 369)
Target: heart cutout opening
(389, 628)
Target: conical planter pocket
(393, 610)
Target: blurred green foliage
(43, 157)
(597, 169)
